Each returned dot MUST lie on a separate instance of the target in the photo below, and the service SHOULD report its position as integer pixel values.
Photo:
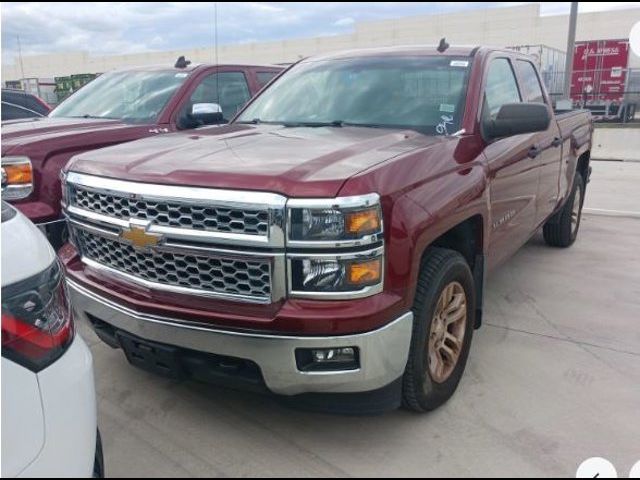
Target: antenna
(20, 57)
(182, 62)
(215, 36)
(443, 45)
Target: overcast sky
(127, 27)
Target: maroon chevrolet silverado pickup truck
(331, 243)
(117, 107)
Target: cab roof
(420, 50)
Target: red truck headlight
(336, 276)
(335, 247)
(17, 178)
(338, 222)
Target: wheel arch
(467, 238)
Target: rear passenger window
(265, 77)
(501, 87)
(531, 89)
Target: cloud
(344, 22)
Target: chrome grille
(197, 272)
(175, 214)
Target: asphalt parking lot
(553, 378)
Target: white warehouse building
(503, 26)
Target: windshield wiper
(255, 121)
(335, 123)
(87, 115)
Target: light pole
(571, 43)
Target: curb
(611, 213)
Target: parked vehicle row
(328, 243)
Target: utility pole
(571, 44)
(20, 59)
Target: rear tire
(432, 375)
(562, 229)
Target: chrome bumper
(383, 352)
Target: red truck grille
(204, 273)
(217, 243)
(173, 213)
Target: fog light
(327, 359)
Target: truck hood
(48, 134)
(288, 160)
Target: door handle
(534, 151)
(557, 141)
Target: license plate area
(159, 359)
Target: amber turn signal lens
(364, 273)
(17, 174)
(363, 222)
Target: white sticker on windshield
(181, 75)
(459, 63)
(448, 108)
(442, 127)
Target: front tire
(562, 229)
(443, 309)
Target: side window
(531, 88)
(227, 89)
(501, 87)
(12, 112)
(265, 77)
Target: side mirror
(517, 118)
(206, 113)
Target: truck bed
(575, 124)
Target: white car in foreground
(49, 425)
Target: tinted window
(501, 86)
(25, 100)
(265, 77)
(13, 112)
(227, 89)
(12, 97)
(531, 88)
(421, 93)
(32, 103)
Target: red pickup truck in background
(117, 107)
(332, 241)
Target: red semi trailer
(599, 79)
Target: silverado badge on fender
(138, 236)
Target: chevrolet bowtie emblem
(138, 236)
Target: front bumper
(383, 352)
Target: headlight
(339, 276)
(345, 221)
(17, 178)
(317, 226)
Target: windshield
(132, 96)
(421, 93)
